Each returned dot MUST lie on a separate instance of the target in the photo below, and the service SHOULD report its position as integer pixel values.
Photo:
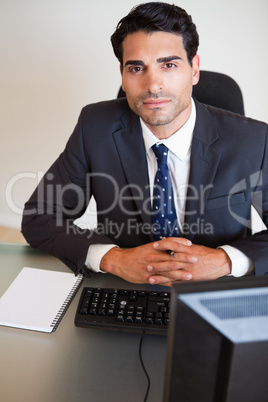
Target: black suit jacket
(105, 157)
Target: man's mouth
(155, 103)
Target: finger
(167, 278)
(172, 243)
(172, 263)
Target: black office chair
(216, 89)
(219, 90)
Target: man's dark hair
(153, 17)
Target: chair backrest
(219, 90)
(215, 89)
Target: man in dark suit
(217, 162)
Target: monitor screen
(218, 341)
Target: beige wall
(56, 57)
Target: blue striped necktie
(164, 214)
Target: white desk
(74, 364)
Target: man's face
(158, 80)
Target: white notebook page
(37, 299)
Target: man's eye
(135, 69)
(170, 65)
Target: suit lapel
(203, 166)
(131, 150)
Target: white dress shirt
(179, 145)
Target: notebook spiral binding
(55, 323)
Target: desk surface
(74, 364)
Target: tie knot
(161, 153)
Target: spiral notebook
(37, 299)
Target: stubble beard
(157, 116)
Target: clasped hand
(166, 261)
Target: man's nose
(154, 80)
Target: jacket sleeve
(256, 246)
(61, 197)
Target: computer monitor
(217, 347)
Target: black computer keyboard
(122, 309)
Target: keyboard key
(95, 299)
(130, 313)
(158, 321)
(142, 294)
(83, 310)
(149, 320)
(166, 321)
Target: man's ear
(121, 72)
(196, 69)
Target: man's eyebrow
(134, 63)
(167, 59)
(160, 60)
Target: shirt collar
(179, 143)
